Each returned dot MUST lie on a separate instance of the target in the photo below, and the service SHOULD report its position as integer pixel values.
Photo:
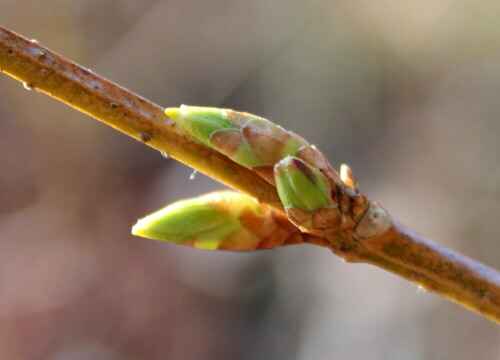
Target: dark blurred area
(406, 92)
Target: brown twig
(398, 250)
(39, 68)
(432, 267)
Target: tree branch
(397, 250)
(39, 68)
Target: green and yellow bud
(300, 185)
(219, 221)
(201, 122)
(185, 220)
(249, 140)
(304, 179)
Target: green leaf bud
(300, 186)
(185, 220)
(249, 140)
(219, 220)
(201, 122)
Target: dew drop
(193, 175)
(165, 155)
(27, 86)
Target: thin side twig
(398, 250)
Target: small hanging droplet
(193, 175)
(165, 155)
(27, 86)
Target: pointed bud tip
(136, 229)
(144, 229)
(173, 112)
(200, 122)
(139, 227)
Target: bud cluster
(307, 185)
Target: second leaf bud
(300, 185)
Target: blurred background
(407, 93)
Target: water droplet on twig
(165, 155)
(193, 175)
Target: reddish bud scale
(260, 145)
